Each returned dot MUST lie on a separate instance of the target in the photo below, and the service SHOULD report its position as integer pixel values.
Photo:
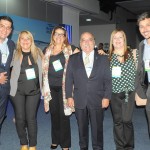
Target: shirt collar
(5, 41)
(91, 53)
(146, 44)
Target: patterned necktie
(86, 60)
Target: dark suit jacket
(6, 68)
(140, 81)
(88, 91)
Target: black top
(28, 86)
(54, 76)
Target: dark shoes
(53, 146)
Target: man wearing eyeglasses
(6, 52)
(88, 89)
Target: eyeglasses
(59, 34)
(4, 27)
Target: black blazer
(6, 68)
(140, 80)
(88, 91)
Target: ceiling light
(89, 19)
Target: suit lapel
(145, 75)
(10, 51)
(142, 52)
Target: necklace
(120, 58)
(120, 55)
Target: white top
(89, 66)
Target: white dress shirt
(89, 66)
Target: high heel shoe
(32, 148)
(24, 147)
(53, 146)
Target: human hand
(70, 102)
(46, 106)
(101, 52)
(105, 103)
(3, 78)
(76, 51)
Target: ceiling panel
(136, 7)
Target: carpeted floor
(9, 139)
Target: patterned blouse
(127, 79)
(46, 88)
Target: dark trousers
(148, 107)
(60, 131)
(122, 112)
(25, 108)
(95, 117)
(4, 92)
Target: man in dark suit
(143, 69)
(6, 52)
(88, 89)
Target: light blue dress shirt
(146, 55)
(4, 50)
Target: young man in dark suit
(88, 89)
(143, 69)
(6, 52)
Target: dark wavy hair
(8, 19)
(143, 16)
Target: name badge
(147, 65)
(4, 58)
(57, 65)
(30, 74)
(116, 72)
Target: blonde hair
(111, 47)
(66, 42)
(35, 51)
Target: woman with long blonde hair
(122, 62)
(26, 82)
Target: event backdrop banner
(41, 30)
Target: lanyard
(4, 56)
